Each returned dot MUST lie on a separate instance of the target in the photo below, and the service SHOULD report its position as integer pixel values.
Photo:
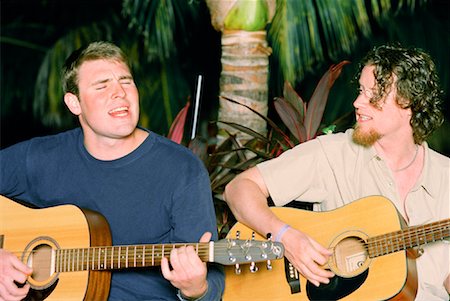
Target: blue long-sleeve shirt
(159, 193)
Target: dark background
(30, 28)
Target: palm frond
(305, 32)
(48, 94)
(295, 37)
(159, 21)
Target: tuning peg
(237, 269)
(269, 265)
(253, 267)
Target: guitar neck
(121, 257)
(408, 238)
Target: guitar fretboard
(409, 238)
(119, 257)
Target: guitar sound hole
(40, 255)
(350, 255)
(40, 261)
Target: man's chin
(365, 138)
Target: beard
(365, 138)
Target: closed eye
(126, 80)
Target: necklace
(412, 161)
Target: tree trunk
(244, 78)
(245, 63)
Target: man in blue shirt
(151, 190)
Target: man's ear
(72, 103)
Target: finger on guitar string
(11, 266)
(13, 272)
(188, 272)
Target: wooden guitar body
(346, 230)
(71, 255)
(25, 230)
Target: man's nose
(118, 90)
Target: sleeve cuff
(181, 297)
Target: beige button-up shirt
(332, 171)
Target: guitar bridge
(292, 277)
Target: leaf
(220, 182)
(243, 165)
(247, 15)
(215, 158)
(237, 145)
(294, 35)
(177, 128)
(272, 124)
(245, 130)
(199, 147)
(329, 129)
(317, 103)
(291, 118)
(294, 99)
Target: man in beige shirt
(397, 108)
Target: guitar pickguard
(338, 288)
(39, 295)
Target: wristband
(281, 232)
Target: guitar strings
(218, 245)
(128, 256)
(412, 237)
(375, 246)
(75, 261)
(402, 239)
(418, 232)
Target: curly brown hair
(417, 85)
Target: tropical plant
(229, 158)
(162, 80)
(245, 62)
(302, 35)
(303, 120)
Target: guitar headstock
(236, 251)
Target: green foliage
(303, 121)
(176, 130)
(304, 33)
(48, 95)
(248, 15)
(160, 88)
(159, 21)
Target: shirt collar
(426, 178)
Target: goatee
(365, 138)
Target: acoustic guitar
(71, 255)
(372, 256)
